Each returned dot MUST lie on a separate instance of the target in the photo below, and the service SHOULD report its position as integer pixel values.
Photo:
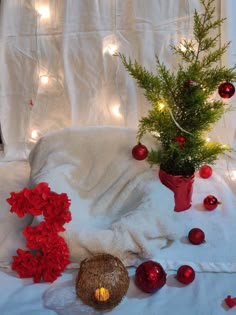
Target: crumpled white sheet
(118, 204)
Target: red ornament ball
(150, 276)
(205, 171)
(180, 140)
(185, 274)
(196, 236)
(190, 83)
(139, 152)
(226, 90)
(210, 202)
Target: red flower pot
(182, 186)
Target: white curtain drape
(57, 67)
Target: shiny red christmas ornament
(150, 276)
(139, 152)
(196, 236)
(180, 140)
(190, 83)
(210, 202)
(226, 90)
(185, 274)
(205, 171)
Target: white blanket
(118, 204)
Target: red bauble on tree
(226, 90)
(196, 236)
(185, 274)
(205, 171)
(150, 276)
(180, 140)
(139, 152)
(210, 202)
(190, 84)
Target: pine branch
(144, 78)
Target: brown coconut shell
(102, 271)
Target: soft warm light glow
(161, 105)
(44, 79)
(102, 294)
(208, 139)
(111, 49)
(233, 175)
(44, 12)
(35, 134)
(116, 111)
(110, 45)
(155, 134)
(225, 146)
(182, 48)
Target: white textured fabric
(87, 85)
(14, 176)
(118, 204)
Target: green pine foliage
(188, 112)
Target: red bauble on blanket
(150, 276)
(205, 171)
(196, 236)
(210, 202)
(185, 274)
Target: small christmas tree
(182, 111)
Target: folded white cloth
(118, 204)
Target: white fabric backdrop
(87, 85)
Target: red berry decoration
(210, 202)
(180, 140)
(150, 276)
(196, 236)
(205, 171)
(185, 274)
(226, 90)
(139, 152)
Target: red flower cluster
(50, 254)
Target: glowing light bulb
(110, 45)
(116, 111)
(225, 146)
(44, 79)
(111, 49)
(182, 48)
(44, 12)
(155, 134)
(162, 106)
(35, 135)
(233, 175)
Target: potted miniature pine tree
(180, 125)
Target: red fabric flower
(51, 253)
(25, 264)
(19, 203)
